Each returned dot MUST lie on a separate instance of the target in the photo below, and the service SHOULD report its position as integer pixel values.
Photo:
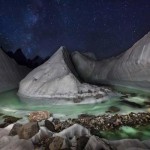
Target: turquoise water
(125, 132)
(10, 104)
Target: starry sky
(104, 27)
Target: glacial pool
(10, 104)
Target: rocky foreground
(43, 132)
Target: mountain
(57, 78)
(21, 59)
(131, 68)
(10, 72)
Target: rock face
(57, 143)
(10, 72)
(132, 68)
(56, 78)
(28, 130)
(14, 131)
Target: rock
(1, 114)
(14, 131)
(56, 121)
(113, 109)
(74, 130)
(38, 116)
(131, 68)
(146, 143)
(99, 96)
(56, 79)
(132, 104)
(3, 125)
(133, 94)
(46, 141)
(13, 143)
(49, 125)
(147, 103)
(137, 148)
(11, 73)
(50, 119)
(95, 132)
(10, 119)
(81, 142)
(56, 144)
(41, 123)
(58, 127)
(83, 116)
(127, 143)
(3, 132)
(6, 130)
(43, 133)
(125, 96)
(28, 130)
(148, 110)
(95, 143)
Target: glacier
(58, 79)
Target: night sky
(104, 27)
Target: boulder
(147, 143)
(49, 125)
(14, 143)
(57, 143)
(28, 130)
(128, 144)
(5, 131)
(113, 109)
(74, 130)
(96, 143)
(81, 142)
(14, 131)
(10, 119)
(38, 116)
(43, 132)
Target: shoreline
(73, 134)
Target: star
(106, 28)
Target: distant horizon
(31, 58)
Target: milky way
(104, 27)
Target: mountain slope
(10, 72)
(132, 68)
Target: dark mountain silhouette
(21, 59)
